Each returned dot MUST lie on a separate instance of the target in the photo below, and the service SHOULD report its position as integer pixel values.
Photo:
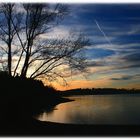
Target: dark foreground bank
(49, 129)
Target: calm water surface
(96, 109)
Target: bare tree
(7, 31)
(43, 56)
(57, 53)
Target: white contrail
(103, 32)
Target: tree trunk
(27, 57)
(9, 42)
(9, 59)
(25, 67)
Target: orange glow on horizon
(83, 84)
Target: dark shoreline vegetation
(23, 98)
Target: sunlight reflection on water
(97, 109)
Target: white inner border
(72, 1)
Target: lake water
(96, 109)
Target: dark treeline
(99, 91)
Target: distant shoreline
(104, 91)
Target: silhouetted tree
(41, 56)
(7, 32)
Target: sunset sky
(114, 54)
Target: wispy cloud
(119, 60)
(126, 77)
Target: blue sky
(114, 63)
(114, 52)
